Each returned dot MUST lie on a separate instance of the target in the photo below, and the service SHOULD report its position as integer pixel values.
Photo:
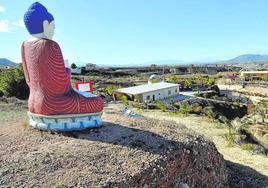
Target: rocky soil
(125, 152)
(246, 168)
(258, 130)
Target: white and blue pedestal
(63, 123)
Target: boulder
(125, 152)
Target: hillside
(7, 63)
(247, 58)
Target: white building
(76, 71)
(149, 92)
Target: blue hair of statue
(35, 16)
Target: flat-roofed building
(254, 75)
(148, 92)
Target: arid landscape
(133, 94)
(192, 140)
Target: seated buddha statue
(51, 94)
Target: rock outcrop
(125, 152)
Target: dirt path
(215, 132)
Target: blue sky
(137, 31)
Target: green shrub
(230, 138)
(197, 109)
(111, 88)
(161, 105)
(185, 109)
(210, 81)
(124, 99)
(209, 113)
(13, 83)
(174, 79)
(248, 147)
(262, 109)
(177, 104)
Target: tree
(73, 66)
(110, 89)
(13, 83)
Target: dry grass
(215, 131)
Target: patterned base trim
(65, 123)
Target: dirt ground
(25, 154)
(246, 91)
(124, 150)
(244, 168)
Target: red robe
(51, 92)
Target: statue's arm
(60, 73)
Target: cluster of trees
(13, 83)
(195, 80)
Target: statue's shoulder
(41, 40)
(50, 43)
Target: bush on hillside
(209, 113)
(185, 109)
(197, 109)
(161, 105)
(13, 83)
(110, 89)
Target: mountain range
(242, 59)
(7, 63)
(247, 58)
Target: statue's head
(39, 21)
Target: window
(148, 97)
(169, 92)
(176, 90)
(159, 94)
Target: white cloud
(4, 26)
(8, 26)
(2, 8)
(19, 23)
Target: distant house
(7, 67)
(76, 71)
(254, 75)
(148, 92)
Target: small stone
(258, 150)
(184, 185)
(195, 152)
